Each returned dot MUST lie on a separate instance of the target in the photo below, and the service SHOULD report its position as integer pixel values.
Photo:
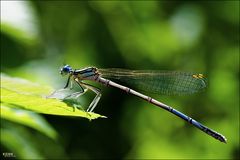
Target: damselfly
(170, 83)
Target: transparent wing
(159, 82)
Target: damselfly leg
(67, 92)
(97, 97)
(69, 77)
(76, 94)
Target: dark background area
(202, 37)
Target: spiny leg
(97, 97)
(77, 94)
(69, 80)
(53, 95)
(94, 102)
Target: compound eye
(65, 70)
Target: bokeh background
(37, 38)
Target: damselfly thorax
(89, 73)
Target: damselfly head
(65, 70)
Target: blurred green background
(37, 38)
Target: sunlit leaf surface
(29, 119)
(19, 93)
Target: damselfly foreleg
(69, 80)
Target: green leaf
(20, 93)
(20, 142)
(19, 35)
(29, 119)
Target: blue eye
(65, 70)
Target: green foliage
(19, 140)
(20, 93)
(21, 103)
(27, 118)
(156, 35)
